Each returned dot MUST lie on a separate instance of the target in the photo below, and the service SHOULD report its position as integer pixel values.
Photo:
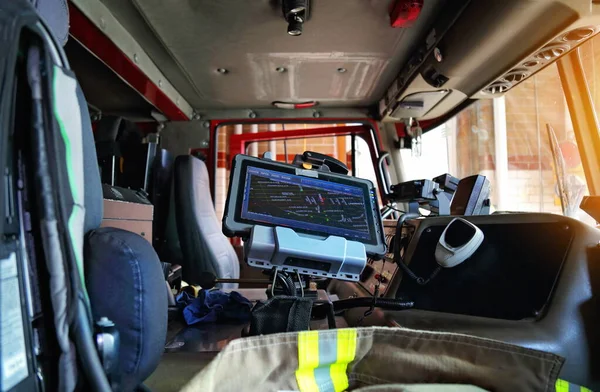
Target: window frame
(367, 129)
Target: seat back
(159, 190)
(126, 284)
(124, 279)
(203, 244)
(123, 275)
(121, 153)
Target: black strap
(281, 314)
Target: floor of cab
(175, 370)
(191, 348)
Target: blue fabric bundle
(214, 306)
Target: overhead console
(478, 57)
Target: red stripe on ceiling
(91, 37)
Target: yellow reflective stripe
(346, 352)
(562, 386)
(565, 386)
(308, 361)
(315, 367)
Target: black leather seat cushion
(125, 283)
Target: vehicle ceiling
(189, 40)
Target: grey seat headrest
(56, 15)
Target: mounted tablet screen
(268, 193)
(305, 203)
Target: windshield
(339, 146)
(523, 143)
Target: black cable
(397, 240)
(287, 284)
(369, 311)
(374, 299)
(383, 303)
(398, 258)
(395, 209)
(320, 311)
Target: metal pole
(253, 150)
(539, 145)
(273, 143)
(353, 141)
(583, 115)
(238, 129)
(501, 152)
(113, 170)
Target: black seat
(121, 153)
(159, 190)
(204, 247)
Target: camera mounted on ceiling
(295, 12)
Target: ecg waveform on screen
(307, 204)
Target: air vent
(579, 34)
(497, 88)
(515, 76)
(531, 63)
(551, 52)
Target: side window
(523, 143)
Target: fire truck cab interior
(202, 118)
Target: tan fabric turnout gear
(376, 359)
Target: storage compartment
(511, 276)
(128, 210)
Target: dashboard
(533, 283)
